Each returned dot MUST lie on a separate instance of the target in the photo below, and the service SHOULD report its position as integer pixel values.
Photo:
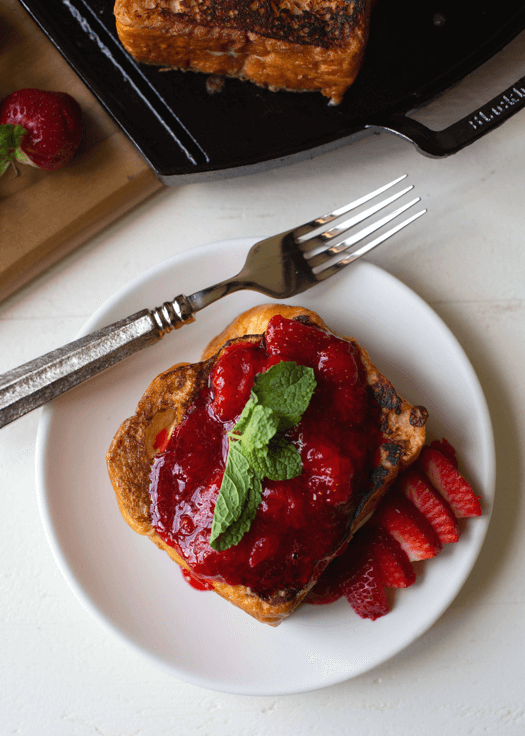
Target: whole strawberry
(39, 128)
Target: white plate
(138, 592)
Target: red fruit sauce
(299, 522)
(195, 582)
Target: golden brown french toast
(301, 524)
(298, 45)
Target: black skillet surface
(417, 50)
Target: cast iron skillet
(417, 49)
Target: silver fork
(279, 267)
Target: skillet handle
(441, 143)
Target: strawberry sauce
(299, 522)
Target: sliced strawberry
(431, 504)
(445, 448)
(294, 341)
(327, 469)
(408, 526)
(396, 568)
(364, 588)
(450, 483)
(232, 380)
(393, 564)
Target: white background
(63, 674)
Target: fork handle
(33, 384)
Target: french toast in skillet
(298, 45)
(395, 431)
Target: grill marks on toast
(295, 45)
(308, 22)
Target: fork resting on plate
(280, 267)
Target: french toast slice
(132, 453)
(296, 45)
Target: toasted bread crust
(131, 453)
(296, 45)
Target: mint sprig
(257, 450)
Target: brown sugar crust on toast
(284, 44)
(131, 453)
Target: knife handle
(37, 382)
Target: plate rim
(44, 500)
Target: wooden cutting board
(44, 216)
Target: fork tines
(313, 247)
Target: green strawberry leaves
(11, 146)
(256, 450)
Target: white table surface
(63, 674)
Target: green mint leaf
(233, 492)
(287, 389)
(282, 460)
(277, 402)
(259, 430)
(235, 532)
(245, 417)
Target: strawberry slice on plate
(396, 569)
(364, 588)
(431, 504)
(408, 526)
(373, 556)
(450, 483)
(445, 448)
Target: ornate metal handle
(33, 384)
